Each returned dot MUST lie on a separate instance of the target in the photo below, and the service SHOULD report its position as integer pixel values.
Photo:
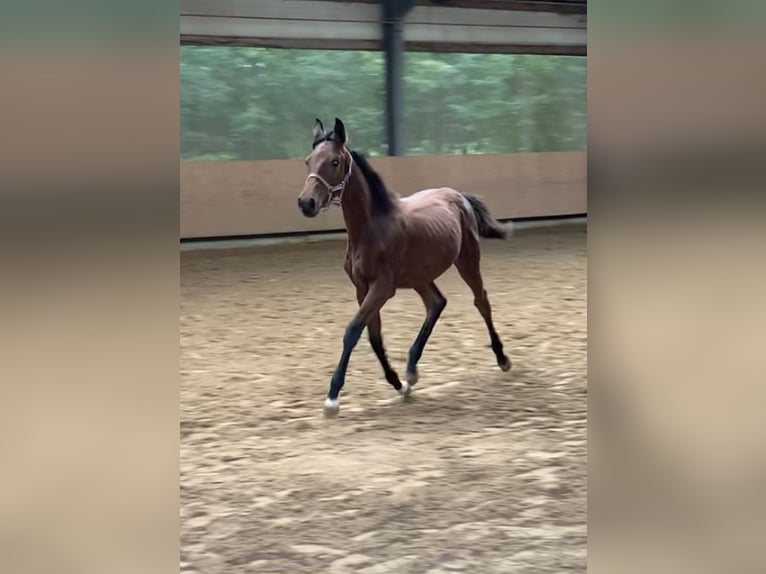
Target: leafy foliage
(259, 103)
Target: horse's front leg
(374, 332)
(378, 293)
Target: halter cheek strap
(334, 189)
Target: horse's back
(437, 209)
(431, 198)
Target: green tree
(258, 103)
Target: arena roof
(530, 26)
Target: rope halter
(336, 191)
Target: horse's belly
(427, 260)
(423, 276)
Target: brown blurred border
(677, 320)
(89, 246)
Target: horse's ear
(340, 132)
(318, 129)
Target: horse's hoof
(412, 378)
(331, 408)
(505, 365)
(406, 389)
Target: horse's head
(329, 165)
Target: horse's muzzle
(308, 206)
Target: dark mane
(381, 199)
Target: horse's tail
(489, 227)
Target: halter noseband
(334, 199)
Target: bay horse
(396, 243)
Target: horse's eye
(335, 162)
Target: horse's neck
(356, 206)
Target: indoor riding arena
(479, 470)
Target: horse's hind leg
(376, 342)
(435, 303)
(468, 266)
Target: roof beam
(552, 6)
(327, 24)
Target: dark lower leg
(435, 303)
(376, 342)
(481, 300)
(373, 300)
(350, 339)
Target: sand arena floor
(481, 472)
